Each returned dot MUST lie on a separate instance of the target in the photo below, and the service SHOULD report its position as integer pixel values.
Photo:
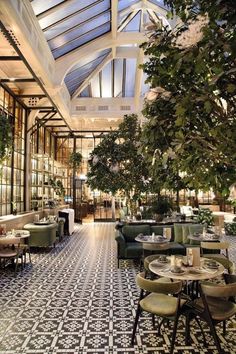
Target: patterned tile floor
(75, 300)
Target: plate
(211, 266)
(180, 272)
(42, 223)
(162, 261)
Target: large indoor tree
(116, 163)
(190, 109)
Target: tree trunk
(113, 208)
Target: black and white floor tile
(73, 299)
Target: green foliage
(161, 206)
(230, 228)
(5, 137)
(57, 186)
(75, 160)
(205, 216)
(116, 163)
(189, 127)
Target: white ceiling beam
(92, 75)
(138, 79)
(127, 52)
(65, 63)
(53, 10)
(114, 18)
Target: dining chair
(159, 298)
(214, 306)
(11, 250)
(222, 258)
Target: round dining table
(11, 235)
(153, 242)
(203, 272)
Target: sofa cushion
(158, 230)
(185, 234)
(178, 233)
(131, 231)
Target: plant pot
(14, 212)
(159, 217)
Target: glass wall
(12, 181)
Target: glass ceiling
(68, 25)
(116, 79)
(76, 76)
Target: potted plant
(57, 186)
(35, 205)
(230, 227)
(14, 208)
(161, 207)
(205, 216)
(75, 160)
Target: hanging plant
(75, 160)
(5, 137)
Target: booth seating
(129, 248)
(42, 235)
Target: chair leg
(187, 329)
(135, 323)
(203, 335)
(216, 339)
(16, 265)
(224, 328)
(174, 335)
(29, 255)
(153, 320)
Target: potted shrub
(230, 227)
(75, 160)
(205, 216)
(161, 207)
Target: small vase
(14, 211)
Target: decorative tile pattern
(75, 300)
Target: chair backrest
(157, 287)
(215, 245)
(218, 290)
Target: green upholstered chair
(155, 298)
(214, 306)
(42, 235)
(219, 257)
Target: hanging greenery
(75, 160)
(5, 137)
(191, 108)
